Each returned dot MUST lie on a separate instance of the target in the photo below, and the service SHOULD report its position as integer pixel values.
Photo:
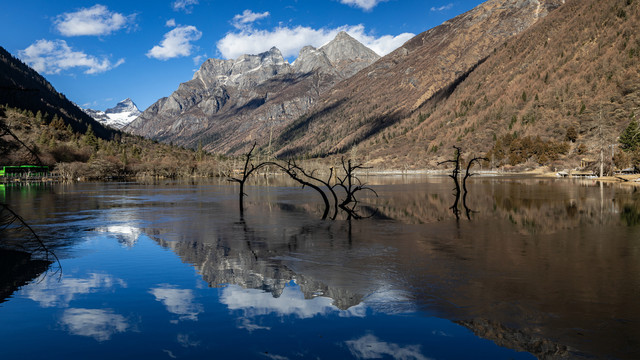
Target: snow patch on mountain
(118, 116)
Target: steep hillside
(229, 104)
(397, 85)
(22, 87)
(558, 92)
(573, 77)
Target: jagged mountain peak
(343, 56)
(344, 47)
(126, 105)
(118, 116)
(227, 99)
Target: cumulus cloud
(52, 57)
(184, 5)
(442, 8)
(290, 40)
(96, 20)
(198, 60)
(170, 23)
(247, 17)
(176, 43)
(366, 5)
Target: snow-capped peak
(118, 116)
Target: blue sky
(98, 53)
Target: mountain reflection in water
(543, 266)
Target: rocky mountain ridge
(118, 116)
(231, 103)
(395, 87)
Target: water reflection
(17, 269)
(543, 266)
(370, 347)
(127, 234)
(55, 292)
(178, 301)
(100, 324)
(291, 302)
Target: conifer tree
(90, 138)
(630, 137)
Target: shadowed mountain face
(390, 90)
(23, 88)
(229, 104)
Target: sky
(98, 53)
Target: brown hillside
(391, 89)
(576, 68)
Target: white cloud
(178, 301)
(176, 43)
(52, 57)
(184, 5)
(247, 17)
(442, 8)
(370, 347)
(99, 324)
(290, 40)
(171, 23)
(96, 20)
(363, 4)
(198, 60)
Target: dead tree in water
(11, 221)
(351, 184)
(248, 170)
(454, 176)
(294, 171)
(467, 175)
(291, 168)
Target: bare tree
(467, 175)
(351, 184)
(11, 221)
(249, 168)
(5, 130)
(454, 175)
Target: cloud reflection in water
(255, 302)
(370, 347)
(99, 324)
(178, 301)
(51, 292)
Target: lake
(529, 268)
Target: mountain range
(229, 104)
(507, 69)
(331, 98)
(118, 116)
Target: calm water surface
(532, 268)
